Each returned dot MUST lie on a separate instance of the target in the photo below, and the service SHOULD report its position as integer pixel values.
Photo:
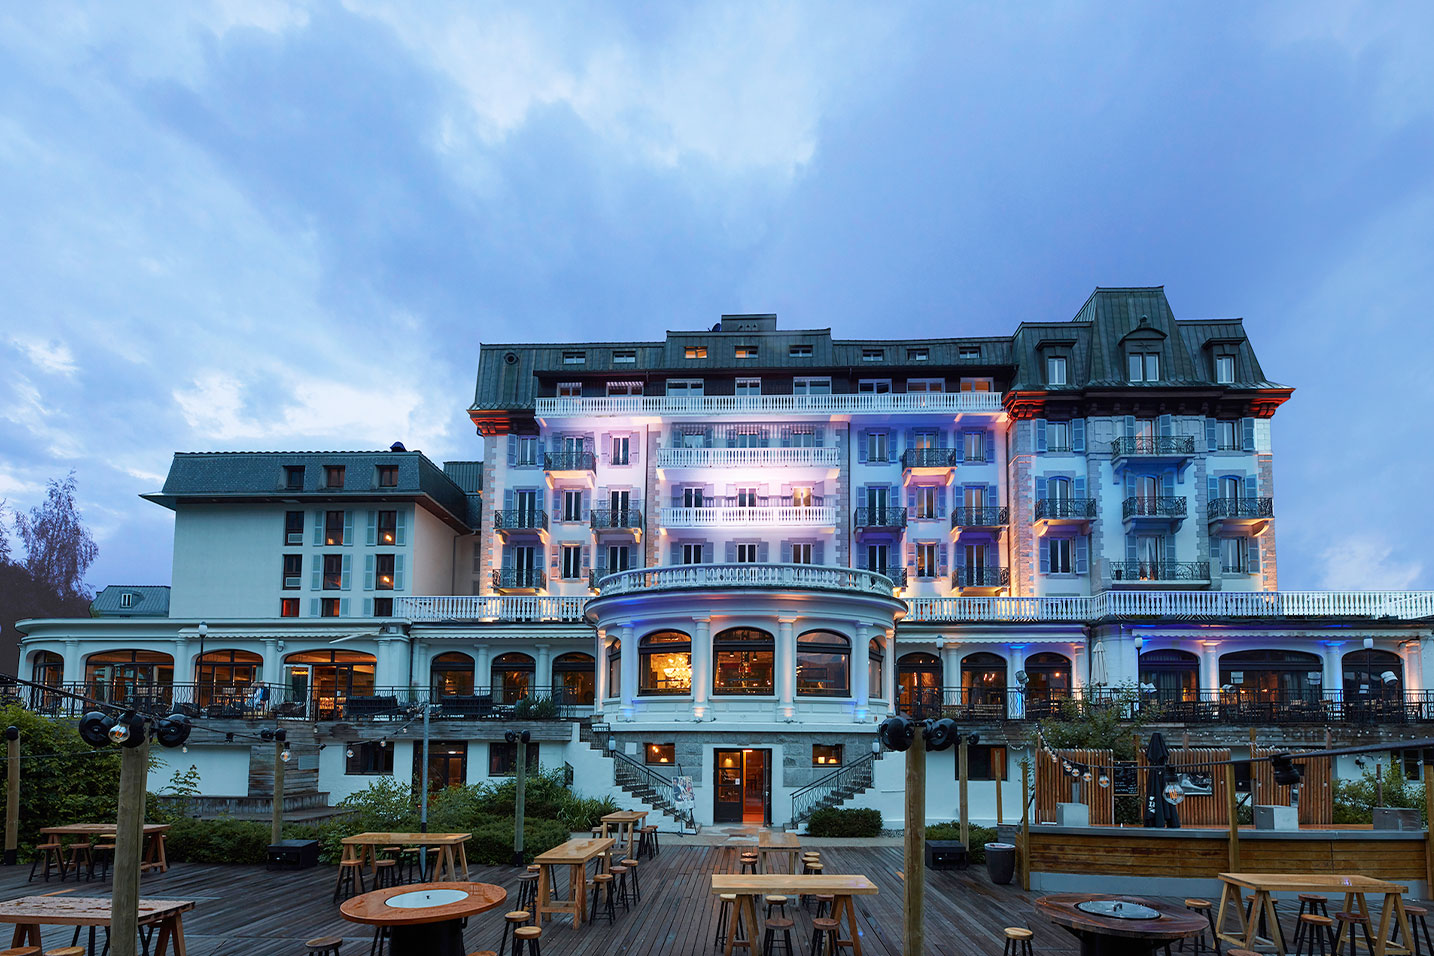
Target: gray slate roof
(148, 600)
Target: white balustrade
(747, 457)
(736, 516)
(681, 576)
(704, 405)
(490, 607)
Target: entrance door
(296, 679)
(447, 764)
(744, 786)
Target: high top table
(779, 843)
(624, 823)
(29, 913)
(153, 857)
(449, 846)
(749, 886)
(575, 855)
(1261, 907)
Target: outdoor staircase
(833, 790)
(637, 779)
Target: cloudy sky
(253, 224)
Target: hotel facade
(726, 555)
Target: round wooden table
(424, 917)
(1115, 936)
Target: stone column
(1426, 662)
(888, 676)
(629, 670)
(543, 678)
(273, 665)
(482, 677)
(860, 673)
(186, 670)
(701, 666)
(384, 670)
(950, 656)
(786, 669)
(1080, 668)
(600, 674)
(74, 669)
(1016, 702)
(1210, 667)
(420, 673)
(1332, 673)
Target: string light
(1103, 780)
(349, 752)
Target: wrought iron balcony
(981, 577)
(1063, 508)
(621, 519)
(881, 517)
(897, 575)
(519, 579)
(1162, 446)
(1159, 571)
(928, 458)
(520, 519)
(569, 461)
(1242, 508)
(1160, 506)
(979, 517)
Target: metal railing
(728, 515)
(964, 517)
(1242, 508)
(897, 575)
(683, 576)
(829, 790)
(1159, 506)
(615, 518)
(511, 579)
(649, 786)
(981, 577)
(1159, 571)
(520, 519)
(703, 405)
(569, 461)
(880, 517)
(1161, 446)
(1065, 508)
(928, 458)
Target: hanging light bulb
(1104, 781)
(383, 743)
(1086, 776)
(119, 733)
(284, 755)
(1174, 795)
(1074, 771)
(184, 748)
(349, 752)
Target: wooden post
(1429, 826)
(914, 936)
(1000, 779)
(12, 794)
(520, 806)
(129, 846)
(1232, 809)
(278, 824)
(1025, 857)
(965, 816)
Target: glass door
(296, 683)
(727, 795)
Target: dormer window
(333, 476)
(1144, 366)
(388, 476)
(873, 355)
(918, 355)
(1055, 370)
(574, 358)
(695, 352)
(1225, 369)
(127, 599)
(969, 353)
(746, 351)
(624, 356)
(294, 477)
(800, 351)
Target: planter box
(946, 855)
(293, 855)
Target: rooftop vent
(397, 446)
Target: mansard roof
(145, 600)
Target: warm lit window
(289, 607)
(800, 351)
(294, 477)
(801, 497)
(293, 571)
(333, 572)
(334, 528)
(743, 661)
(926, 385)
(926, 560)
(329, 607)
(293, 527)
(388, 476)
(383, 607)
(978, 385)
(873, 355)
(387, 527)
(574, 358)
(746, 352)
(660, 753)
(822, 671)
(383, 572)
(570, 389)
(926, 499)
(1144, 366)
(333, 476)
(826, 755)
(695, 352)
(1055, 370)
(664, 664)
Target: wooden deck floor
(248, 911)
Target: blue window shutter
(1040, 488)
(1212, 443)
(707, 552)
(861, 558)
(343, 607)
(1040, 434)
(911, 557)
(941, 502)
(316, 581)
(676, 502)
(1252, 555)
(1045, 546)
(368, 607)
(371, 535)
(911, 500)
(586, 505)
(1078, 434)
(555, 556)
(990, 443)
(1129, 426)
(674, 556)
(786, 552)
(1167, 484)
(1082, 555)
(508, 500)
(557, 508)
(1129, 485)
(398, 572)
(786, 438)
(399, 527)
(819, 553)
(731, 552)
(1078, 487)
(993, 496)
(861, 448)
(958, 437)
(1130, 552)
(313, 607)
(817, 437)
(1166, 424)
(348, 528)
(587, 559)
(1250, 487)
(942, 567)
(762, 552)
(910, 438)
(1212, 488)
(707, 437)
(344, 576)
(1247, 434)
(368, 572)
(318, 527)
(512, 450)
(1170, 548)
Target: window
(294, 477)
(743, 661)
(811, 385)
(800, 351)
(878, 386)
(334, 527)
(572, 506)
(692, 553)
(333, 572)
(692, 497)
(873, 355)
(1232, 555)
(747, 497)
(618, 558)
(574, 358)
(926, 501)
(686, 387)
(978, 384)
(387, 527)
(388, 476)
(876, 557)
(619, 389)
(503, 759)
(1144, 366)
(918, 355)
(329, 607)
(801, 497)
(288, 607)
(926, 385)
(1229, 487)
(874, 659)
(802, 552)
(749, 386)
(293, 527)
(383, 572)
(614, 669)
(878, 446)
(127, 599)
(1058, 436)
(293, 571)
(746, 554)
(368, 757)
(695, 352)
(333, 476)
(660, 753)
(1060, 554)
(1227, 434)
(570, 389)
(985, 762)
(1224, 369)
(926, 560)
(974, 445)
(525, 451)
(746, 352)
(383, 607)
(620, 450)
(624, 356)
(664, 664)
(572, 563)
(1058, 489)
(822, 658)
(1055, 370)
(969, 353)
(826, 755)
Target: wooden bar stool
(66, 950)
(512, 920)
(724, 916)
(619, 877)
(1353, 923)
(824, 935)
(749, 862)
(80, 854)
(50, 853)
(385, 873)
(1418, 920)
(410, 861)
(602, 885)
(324, 945)
(1311, 927)
(1018, 941)
(632, 872)
(1205, 909)
(21, 951)
(527, 891)
(349, 871)
(525, 940)
(104, 855)
(647, 841)
(814, 869)
(775, 925)
(776, 901)
(825, 901)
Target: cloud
(1368, 561)
(51, 356)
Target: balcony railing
(520, 519)
(979, 517)
(981, 577)
(615, 518)
(928, 458)
(1159, 571)
(747, 457)
(1242, 508)
(702, 576)
(514, 579)
(489, 607)
(739, 515)
(569, 461)
(1161, 506)
(1078, 508)
(702, 405)
(881, 517)
(1162, 446)
(897, 575)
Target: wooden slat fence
(1053, 786)
(1316, 790)
(1197, 809)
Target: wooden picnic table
(624, 822)
(749, 886)
(364, 847)
(575, 855)
(1261, 910)
(153, 857)
(29, 913)
(424, 919)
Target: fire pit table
(424, 917)
(1109, 925)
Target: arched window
(142, 677)
(573, 678)
(1048, 673)
(1271, 676)
(225, 676)
(320, 682)
(983, 682)
(1371, 673)
(614, 669)
(823, 659)
(450, 674)
(744, 659)
(664, 664)
(918, 683)
(47, 668)
(512, 677)
(875, 657)
(1174, 674)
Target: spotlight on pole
(939, 734)
(12, 732)
(1286, 773)
(897, 733)
(128, 730)
(172, 731)
(95, 728)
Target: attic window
(695, 352)
(800, 351)
(294, 477)
(388, 476)
(127, 599)
(574, 358)
(969, 353)
(873, 355)
(333, 476)
(570, 389)
(624, 356)
(1144, 366)
(918, 355)
(746, 351)
(1225, 369)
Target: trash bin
(1001, 862)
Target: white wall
(223, 771)
(227, 561)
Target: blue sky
(256, 224)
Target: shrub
(1355, 800)
(844, 822)
(535, 708)
(979, 836)
(492, 841)
(226, 840)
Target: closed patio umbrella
(1159, 812)
(1097, 665)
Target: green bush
(844, 822)
(1355, 800)
(979, 836)
(492, 841)
(535, 708)
(226, 840)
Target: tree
(4, 537)
(58, 546)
